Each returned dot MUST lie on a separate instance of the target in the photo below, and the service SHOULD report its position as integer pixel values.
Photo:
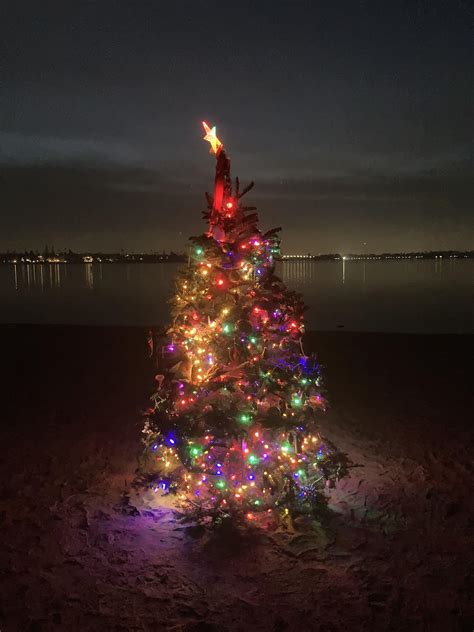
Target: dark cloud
(109, 206)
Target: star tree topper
(211, 138)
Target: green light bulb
(296, 401)
(253, 460)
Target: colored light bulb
(296, 401)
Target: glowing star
(212, 138)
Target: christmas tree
(232, 425)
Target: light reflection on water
(432, 296)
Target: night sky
(353, 118)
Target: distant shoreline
(30, 257)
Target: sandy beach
(82, 550)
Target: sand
(80, 550)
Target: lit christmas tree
(231, 429)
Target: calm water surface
(391, 296)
